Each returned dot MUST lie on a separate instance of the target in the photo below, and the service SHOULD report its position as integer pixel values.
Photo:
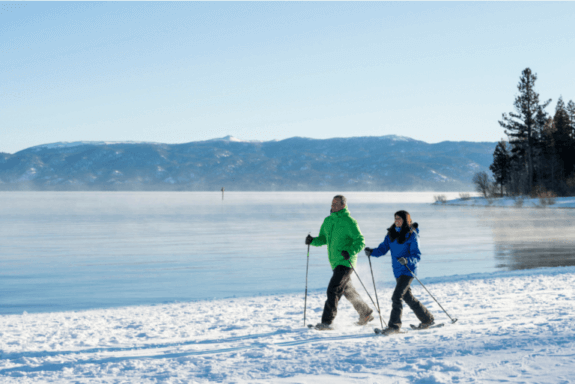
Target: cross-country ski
(419, 328)
(388, 331)
(321, 327)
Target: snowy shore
(477, 201)
(513, 327)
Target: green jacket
(341, 233)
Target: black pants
(403, 291)
(340, 284)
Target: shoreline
(510, 202)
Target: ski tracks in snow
(513, 327)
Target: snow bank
(513, 327)
(560, 202)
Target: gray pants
(340, 284)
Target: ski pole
(366, 291)
(375, 290)
(305, 300)
(413, 274)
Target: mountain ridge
(370, 163)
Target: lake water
(80, 250)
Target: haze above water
(79, 250)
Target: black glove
(345, 254)
(414, 225)
(308, 240)
(402, 261)
(368, 251)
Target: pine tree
(501, 164)
(563, 137)
(549, 158)
(571, 112)
(541, 142)
(520, 126)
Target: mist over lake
(81, 250)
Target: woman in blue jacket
(401, 240)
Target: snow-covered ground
(559, 202)
(513, 327)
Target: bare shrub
(545, 197)
(464, 196)
(482, 184)
(440, 199)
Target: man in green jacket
(344, 241)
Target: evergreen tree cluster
(539, 155)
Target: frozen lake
(80, 250)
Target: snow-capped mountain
(230, 138)
(390, 163)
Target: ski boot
(366, 319)
(422, 326)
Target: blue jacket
(409, 249)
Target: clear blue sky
(188, 71)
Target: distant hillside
(388, 163)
